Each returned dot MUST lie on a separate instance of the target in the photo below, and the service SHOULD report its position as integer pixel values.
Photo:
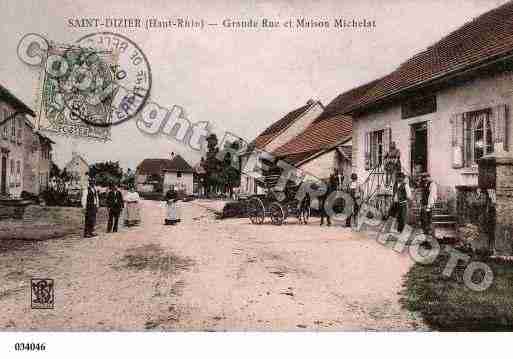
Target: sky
(239, 80)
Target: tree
(212, 165)
(106, 173)
(128, 178)
(230, 167)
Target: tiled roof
(271, 132)
(7, 96)
(295, 158)
(486, 38)
(347, 151)
(318, 136)
(345, 100)
(159, 165)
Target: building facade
(159, 174)
(78, 170)
(444, 108)
(37, 158)
(13, 145)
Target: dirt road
(208, 274)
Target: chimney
(310, 102)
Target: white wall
(170, 178)
(323, 166)
(471, 96)
(299, 125)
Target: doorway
(3, 176)
(419, 147)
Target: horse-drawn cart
(277, 205)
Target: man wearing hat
(429, 197)
(92, 204)
(401, 196)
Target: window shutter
(457, 140)
(499, 128)
(367, 151)
(387, 138)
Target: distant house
(78, 169)
(273, 137)
(37, 158)
(13, 147)
(159, 174)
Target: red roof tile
(487, 37)
(318, 136)
(295, 158)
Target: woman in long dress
(133, 215)
(172, 216)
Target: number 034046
(30, 346)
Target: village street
(208, 274)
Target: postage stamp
(132, 75)
(76, 91)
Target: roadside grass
(446, 304)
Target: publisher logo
(42, 293)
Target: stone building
(159, 174)
(13, 125)
(78, 169)
(274, 136)
(37, 159)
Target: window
(478, 136)
(6, 124)
(18, 168)
(375, 149)
(13, 128)
(377, 144)
(20, 133)
(478, 133)
(12, 166)
(178, 174)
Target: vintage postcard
(266, 166)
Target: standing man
(429, 197)
(402, 194)
(115, 204)
(331, 187)
(392, 164)
(355, 191)
(92, 204)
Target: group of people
(115, 204)
(401, 193)
(337, 183)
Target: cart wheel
(256, 210)
(277, 213)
